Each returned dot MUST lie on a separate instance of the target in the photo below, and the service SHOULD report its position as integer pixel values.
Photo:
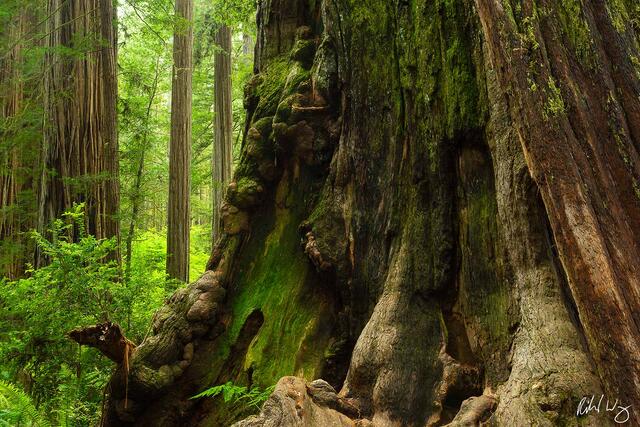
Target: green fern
(253, 397)
(17, 408)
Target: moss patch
(280, 79)
(554, 106)
(270, 88)
(276, 278)
(304, 51)
(576, 29)
(619, 16)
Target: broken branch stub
(108, 338)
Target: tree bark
(434, 211)
(247, 44)
(14, 157)
(223, 146)
(179, 210)
(80, 147)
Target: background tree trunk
(110, 207)
(179, 221)
(136, 194)
(80, 148)
(247, 43)
(449, 168)
(13, 218)
(223, 147)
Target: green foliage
(80, 286)
(150, 254)
(17, 408)
(234, 13)
(251, 398)
(145, 62)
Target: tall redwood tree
(179, 210)
(80, 146)
(222, 161)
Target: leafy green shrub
(76, 288)
(80, 286)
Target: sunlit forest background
(44, 375)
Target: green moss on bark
(619, 15)
(269, 91)
(276, 278)
(577, 31)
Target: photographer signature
(590, 404)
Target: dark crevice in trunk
(476, 281)
(232, 371)
(233, 367)
(458, 345)
(336, 363)
(456, 396)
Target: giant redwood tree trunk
(436, 211)
(80, 147)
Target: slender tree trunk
(247, 44)
(80, 149)
(136, 193)
(223, 147)
(179, 211)
(109, 208)
(135, 210)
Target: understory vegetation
(78, 287)
(246, 398)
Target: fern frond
(253, 398)
(17, 408)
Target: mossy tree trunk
(436, 211)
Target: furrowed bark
(79, 155)
(14, 182)
(222, 161)
(179, 208)
(425, 216)
(584, 159)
